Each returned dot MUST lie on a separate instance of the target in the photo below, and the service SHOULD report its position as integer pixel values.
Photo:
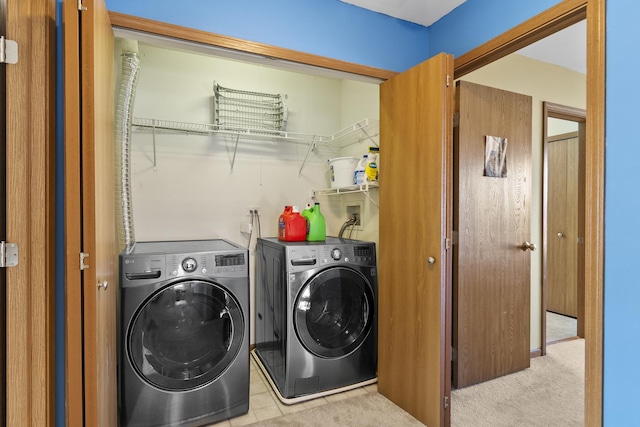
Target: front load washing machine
(316, 315)
(184, 333)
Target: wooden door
(491, 290)
(90, 214)
(416, 113)
(562, 224)
(30, 191)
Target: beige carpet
(549, 393)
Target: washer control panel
(303, 257)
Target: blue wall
(622, 205)
(337, 30)
(477, 21)
(328, 28)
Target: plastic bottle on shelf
(371, 169)
(316, 225)
(359, 176)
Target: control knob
(189, 265)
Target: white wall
(192, 193)
(543, 82)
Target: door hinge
(448, 80)
(446, 402)
(81, 7)
(8, 254)
(8, 51)
(447, 244)
(83, 256)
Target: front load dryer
(183, 333)
(316, 315)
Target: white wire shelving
(364, 130)
(363, 188)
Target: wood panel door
(562, 224)
(90, 214)
(416, 115)
(491, 283)
(30, 213)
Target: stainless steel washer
(316, 315)
(183, 333)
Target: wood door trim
(193, 35)
(74, 382)
(554, 19)
(594, 212)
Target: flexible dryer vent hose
(124, 114)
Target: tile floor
(264, 404)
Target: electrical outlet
(254, 209)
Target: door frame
(556, 18)
(578, 115)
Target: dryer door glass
(334, 312)
(185, 335)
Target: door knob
(104, 285)
(431, 260)
(560, 235)
(526, 246)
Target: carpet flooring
(549, 393)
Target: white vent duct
(124, 113)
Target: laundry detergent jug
(292, 227)
(359, 176)
(371, 170)
(316, 225)
(282, 222)
(305, 214)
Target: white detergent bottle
(359, 172)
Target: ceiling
(566, 48)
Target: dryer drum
(182, 337)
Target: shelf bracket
(155, 164)
(235, 150)
(373, 141)
(312, 146)
(366, 193)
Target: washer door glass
(185, 335)
(334, 312)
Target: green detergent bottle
(317, 226)
(305, 214)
